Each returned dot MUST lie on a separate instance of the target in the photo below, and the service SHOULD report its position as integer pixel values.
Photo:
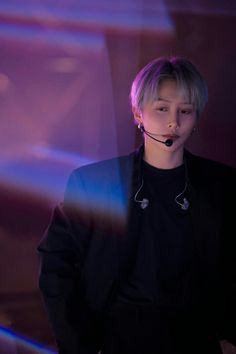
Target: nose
(173, 121)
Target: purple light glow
(44, 172)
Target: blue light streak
(44, 172)
(11, 343)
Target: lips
(173, 137)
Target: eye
(162, 109)
(186, 111)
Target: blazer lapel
(127, 242)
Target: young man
(139, 258)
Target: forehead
(169, 90)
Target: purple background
(66, 67)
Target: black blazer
(89, 247)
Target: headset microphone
(168, 142)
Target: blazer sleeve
(61, 253)
(228, 259)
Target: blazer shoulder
(208, 164)
(95, 185)
(103, 168)
(205, 170)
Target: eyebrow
(165, 100)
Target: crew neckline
(146, 165)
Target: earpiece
(144, 202)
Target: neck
(163, 159)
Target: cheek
(151, 120)
(189, 125)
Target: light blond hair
(147, 82)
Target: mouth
(169, 136)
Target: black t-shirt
(163, 269)
(159, 308)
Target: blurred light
(44, 172)
(63, 65)
(45, 152)
(4, 82)
(124, 15)
(49, 179)
(55, 37)
(13, 343)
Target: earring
(140, 126)
(195, 130)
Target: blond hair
(147, 82)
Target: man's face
(170, 116)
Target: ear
(137, 115)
